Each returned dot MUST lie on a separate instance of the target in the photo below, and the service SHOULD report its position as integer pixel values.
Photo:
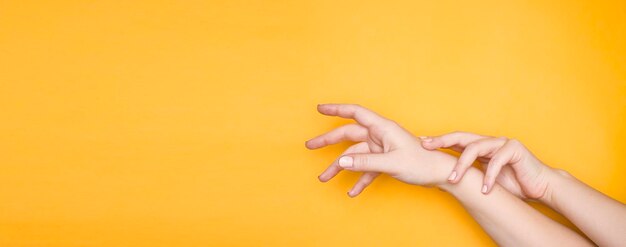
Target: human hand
(506, 161)
(383, 147)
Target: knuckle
(324, 141)
(361, 161)
(391, 124)
(366, 181)
(496, 161)
(472, 148)
(360, 184)
(357, 107)
(491, 172)
(456, 133)
(461, 169)
(463, 163)
(563, 173)
(489, 178)
(515, 142)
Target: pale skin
(383, 146)
(514, 167)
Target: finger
(349, 132)
(334, 168)
(361, 114)
(507, 179)
(456, 140)
(372, 162)
(501, 158)
(365, 180)
(472, 151)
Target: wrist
(473, 176)
(554, 177)
(442, 166)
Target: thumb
(373, 162)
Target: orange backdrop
(182, 123)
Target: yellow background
(182, 123)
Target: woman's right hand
(506, 161)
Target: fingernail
(484, 189)
(452, 176)
(349, 194)
(345, 161)
(426, 139)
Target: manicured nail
(484, 189)
(452, 176)
(345, 161)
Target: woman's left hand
(383, 146)
(505, 161)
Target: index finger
(456, 140)
(361, 114)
